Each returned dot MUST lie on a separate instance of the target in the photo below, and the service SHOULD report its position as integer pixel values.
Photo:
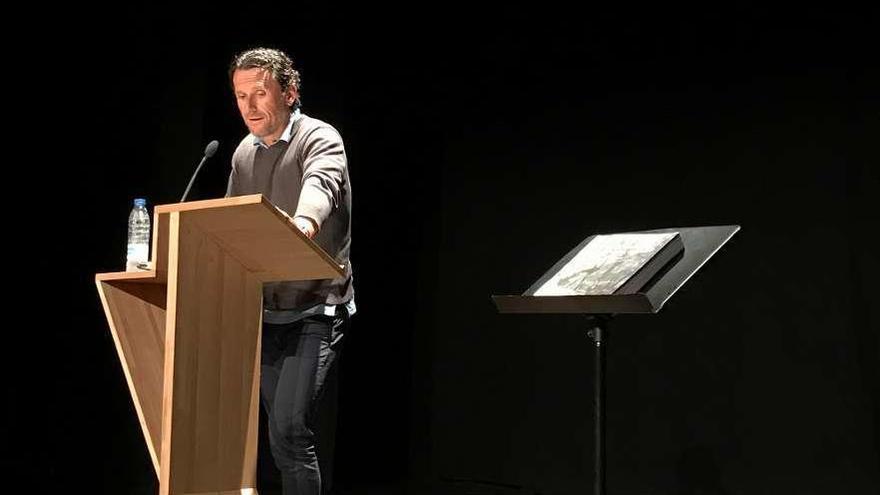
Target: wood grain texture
(136, 314)
(264, 240)
(212, 364)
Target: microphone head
(211, 148)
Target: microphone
(209, 152)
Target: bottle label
(137, 252)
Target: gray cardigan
(306, 177)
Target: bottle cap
(140, 202)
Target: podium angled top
(250, 229)
(700, 244)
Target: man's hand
(306, 225)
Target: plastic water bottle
(138, 235)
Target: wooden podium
(188, 334)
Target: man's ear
(291, 95)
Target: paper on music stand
(605, 264)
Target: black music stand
(700, 244)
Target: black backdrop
(483, 146)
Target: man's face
(264, 106)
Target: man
(299, 164)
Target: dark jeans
(296, 361)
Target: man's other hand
(306, 225)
